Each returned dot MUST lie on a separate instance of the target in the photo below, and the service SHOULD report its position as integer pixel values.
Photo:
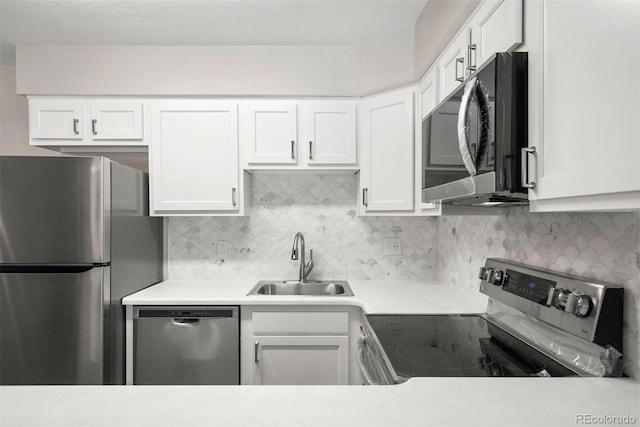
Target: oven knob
(485, 273)
(582, 305)
(497, 277)
(560, 298)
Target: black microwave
(472, 141)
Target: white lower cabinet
(288, 345)
(301, 360)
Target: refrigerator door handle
(49, 268)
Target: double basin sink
(306, 288)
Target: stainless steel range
(538, 323)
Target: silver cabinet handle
(93, 126)
(233, 196)
(75, 126)
(365, 197)
(293, 146)
(310, 150)
(472, 48)
(255, 352)
(461, 62)
(524, 155)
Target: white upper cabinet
(452, 65)
(56, 119)
(495, 27)
(330, 133)
(428, 92)
(584, 105)
(194, 167)
(116, 120)
(289, 134)
(270, 132)
(428, 99)
(386, 167)
(74, 121)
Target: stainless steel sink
(307, 288)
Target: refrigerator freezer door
(51, 327)
(52, 210)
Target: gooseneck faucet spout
(298, 253)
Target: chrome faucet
(297, 252)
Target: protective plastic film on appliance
(582, 356)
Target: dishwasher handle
(185, 321)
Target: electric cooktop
(458, 346)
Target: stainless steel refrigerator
(75, 238)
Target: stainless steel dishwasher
(186, 345)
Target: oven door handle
(367, 379)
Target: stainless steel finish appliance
(186, 345)
(473, 140)
(538, 323)
(75, 238)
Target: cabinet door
(301, 360)
(589, 156)
(428, 92)
(330, 133)
(386, 172)
(495, 27)
(116, 120)
(452, 66)
(56, 119)
(428, 99)
(270, 132)
(194, 157)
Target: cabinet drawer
(305, 323)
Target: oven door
(375, 368)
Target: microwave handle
(472, 161)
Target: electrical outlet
(222, 248)
(392, 246)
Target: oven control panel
(527, 286)
(587, 308)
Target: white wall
(184, 70)
(384, 63)
(368, 67)
(14, 119)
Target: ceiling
(200, 22)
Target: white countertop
(418, 402)
(373, 296)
